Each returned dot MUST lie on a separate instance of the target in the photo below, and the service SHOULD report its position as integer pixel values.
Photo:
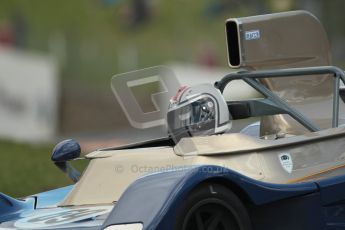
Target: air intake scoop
(286, 40)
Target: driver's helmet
(197, 111)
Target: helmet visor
(196, 118)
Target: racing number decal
(61, 216)
(252, 35)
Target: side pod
(153, 199)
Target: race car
(285, 171)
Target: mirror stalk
(67, 168)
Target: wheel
(212, 207)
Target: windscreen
(143, 96)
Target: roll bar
(252, 78)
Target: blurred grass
(27, 169)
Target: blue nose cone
(66, 150)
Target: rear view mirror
(65, 151)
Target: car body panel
(41, 211)
(159, 194)
(52, 198)
(60, 218)
(162, 194)
(11, 208)
(110, 172)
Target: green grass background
(27, 169)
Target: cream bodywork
(110, 172)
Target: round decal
(286, 161)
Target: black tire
(212, 207)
